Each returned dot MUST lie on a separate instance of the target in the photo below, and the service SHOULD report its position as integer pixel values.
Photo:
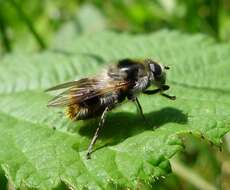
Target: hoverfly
(96, 96)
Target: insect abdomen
(79, 113)
(92, 107)
(71, 111)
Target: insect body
(95, 96)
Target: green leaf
(40, 148)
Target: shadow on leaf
(119, 126)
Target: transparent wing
(84, 89)
(62, 86)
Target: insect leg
(93, 141)
(140, 110)
(168, 96)
(164, 87)
(150, 92)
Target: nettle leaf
(42, 149)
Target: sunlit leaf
(40, 148)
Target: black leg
(93, 141)
(168, 96)
(158, 90)
(140, 110)
(150, 92)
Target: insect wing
(84, 89)
(67, 85)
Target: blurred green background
(31, 26)
(38, 22)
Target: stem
(5, 38)
(189, 175)
(214, 20)
(29, 24)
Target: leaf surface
(40, 148)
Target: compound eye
(156, 69)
